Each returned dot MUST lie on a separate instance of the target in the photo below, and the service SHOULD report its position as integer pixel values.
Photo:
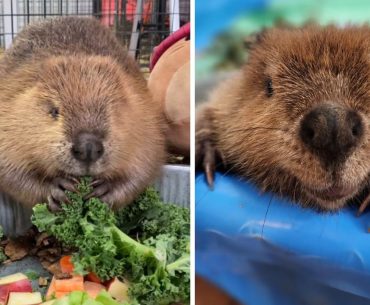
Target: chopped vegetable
(157, 267)
(61, 294)
(93, 289)
(48, 302)
(50, 294)
(75, 283)
(118, 290)
(148, 216)
(13, 278)
(24, 298)
(32, 275)
(82, 298)
(43, 281)
(92, 277)
(13, 283)
(66, 264)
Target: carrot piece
(76, 283)
(51, 289)
(93, 289)
(92, 277)
(66, 264)
(61, 294)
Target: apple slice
(4, 297)
(24, 298)
(48, 302)
(93, 289)
(62, 301)
(118, 290)
(16, 277)
(22, 285)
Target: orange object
(76, 283)
(66, 264)
(51, 290)
(93, 289)
(61, 294)
(92, 277)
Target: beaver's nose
(331, 132)
(87, 148)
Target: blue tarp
(267, 251)
(212, 17)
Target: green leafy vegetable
(149, 216)
(157, 263)
(31, 274)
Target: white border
(192, 150)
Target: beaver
(295, 120)
(73, 104)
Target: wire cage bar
(139, 24)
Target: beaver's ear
(255, 39)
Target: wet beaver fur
(295, 121)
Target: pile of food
(16, 289)
(138, 255)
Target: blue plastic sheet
(212, 17)
(264, 250)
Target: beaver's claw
(208, 156)
(101, 190)
(57, 194)
(209, 163)
(365, 203)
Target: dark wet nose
(331, 132)
(87, 148)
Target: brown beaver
(73, 103)
(296, 119)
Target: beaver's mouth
(334, 193)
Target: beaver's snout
(87, 148)
(331, 132)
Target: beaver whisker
(256, 128)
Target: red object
(66, 264)
(181, 33)
(92, 277)
(109, 11)
(19, 286)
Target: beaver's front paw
(57, 194)
(207, 158)
(102, 189)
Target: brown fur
(77, 66)
(258, 136)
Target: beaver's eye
(269, 88)
(54, 112)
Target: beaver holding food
(73, 103)
(296, 119)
